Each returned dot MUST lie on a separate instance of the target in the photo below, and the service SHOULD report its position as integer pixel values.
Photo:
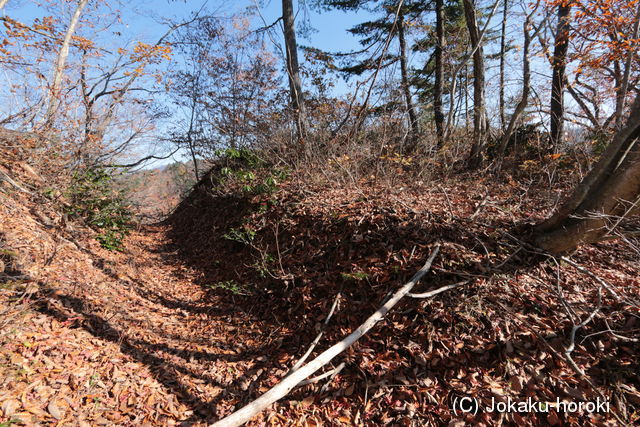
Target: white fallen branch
(335, 372)
(332, 373)
(7, 178)
(281, 389)
(318, 337)
(438, 291)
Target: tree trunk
(608, 193)
(503, 49)
(624, 86)
(526, 88)
(192, 119)
(58, 71)
(293, 69)
(466, 98)
(559, 63)
(406, 89)
(439, 71)
(526, 85)
(3, 3)
(479, 114)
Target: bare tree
(559, 64)
(58, 71)
(503, 51)
(439, 74)
(293, 68)
(621, 95)
(413, 118)
(526, 83)
(479, 113)
(455, 77)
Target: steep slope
(291, 252)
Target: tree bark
(58, 71)
(439, 73)
(293, 69)
(608, 193)
(624, 86)
(559, 63)
(503, 49)
(406, 89)
(479, 113)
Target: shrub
(95, 199)
(230, 286)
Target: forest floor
(193, 319)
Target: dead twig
(7, 178)
(575, 328)
(449, 205)
(600, 280)
(481, 205)
(557, 354)
(332, 373)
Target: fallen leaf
(9, 407)
(55, 410)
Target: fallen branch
(332, 373)
(317, 339)
(581, 269)
(287, 384)
(6, 178)
(438, 291)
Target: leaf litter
(93, 337)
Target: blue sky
(146, 20)
(329, 27)
(142, 17)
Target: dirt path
(123, 338)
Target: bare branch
(144, 159)
(332, 373)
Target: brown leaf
(349, 390)
(9, 407)
(307, 401)
(55, 409)
(553, 419)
